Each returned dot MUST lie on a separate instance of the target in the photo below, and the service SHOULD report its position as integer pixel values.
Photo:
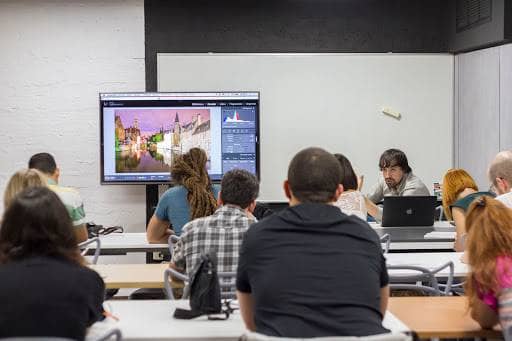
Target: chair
(85, 249)
(112, 334)
(420, 275)
(250, 336)
(507, 334)
(173, 239)
(386, 239)
(226, 281)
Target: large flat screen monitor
(142, 133)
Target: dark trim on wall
(267, 26)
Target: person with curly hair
(192, 197)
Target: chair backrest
(507, 334)
(112, 334)
(227, 281)
(85, 249)
(250, 336)
(173, 239)
(417, 278)
(386, 239)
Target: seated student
(192, 197)
(310, 270)
(45, 289)
(488, 247)
(397, 180)
(45, 163)
(351, 201)
(21, 180)
(500, 175)
(459, 191)
(223, 231)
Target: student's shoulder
(360, 228)
(89, 276)
(65, 191)
(175, 192)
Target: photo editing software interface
(142, 133)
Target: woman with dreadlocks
(193, 196)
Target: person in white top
(351, 201)
(500, 175)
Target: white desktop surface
(431, 241)
(137, 242)
(430, 260)
(437, 224)
(152, 320)
(128, 242)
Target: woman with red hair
(489, 252)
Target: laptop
(409, 211)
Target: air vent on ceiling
(472, 13)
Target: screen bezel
(184, 93)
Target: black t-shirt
(44, 296)
(313, 271)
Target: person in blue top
(193, 196)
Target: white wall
(334, 101)
(483, 114)
(55, 57)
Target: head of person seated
(314, 176)
(456, 181)
(21, 180)
(500, 172)
(348, 176)
(36, 223)
(45, 163)
(488, 240)
(239, 188)
(189, 170)
(394, 166)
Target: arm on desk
(373, 210)
(460, 228)
(158, 231)
(246, 309)
(483, 314)
(81, 233)
(384, 297)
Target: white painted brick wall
(55, 56)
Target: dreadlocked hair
(189, 170)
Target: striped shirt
(221, 232)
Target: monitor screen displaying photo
(142, 133)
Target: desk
(118, 276)
(121, 243)
(152, 320)
(430, 260)
(412, 238)
(438, 317)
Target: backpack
(205, 298)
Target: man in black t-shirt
(310, 270)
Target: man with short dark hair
(223, 231)
(500, 175)
(310, 270)
(46, 164)
(397, 180)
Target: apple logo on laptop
(408, 211)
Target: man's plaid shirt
(221, 232)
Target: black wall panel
(293, 26)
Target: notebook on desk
(409, 211)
